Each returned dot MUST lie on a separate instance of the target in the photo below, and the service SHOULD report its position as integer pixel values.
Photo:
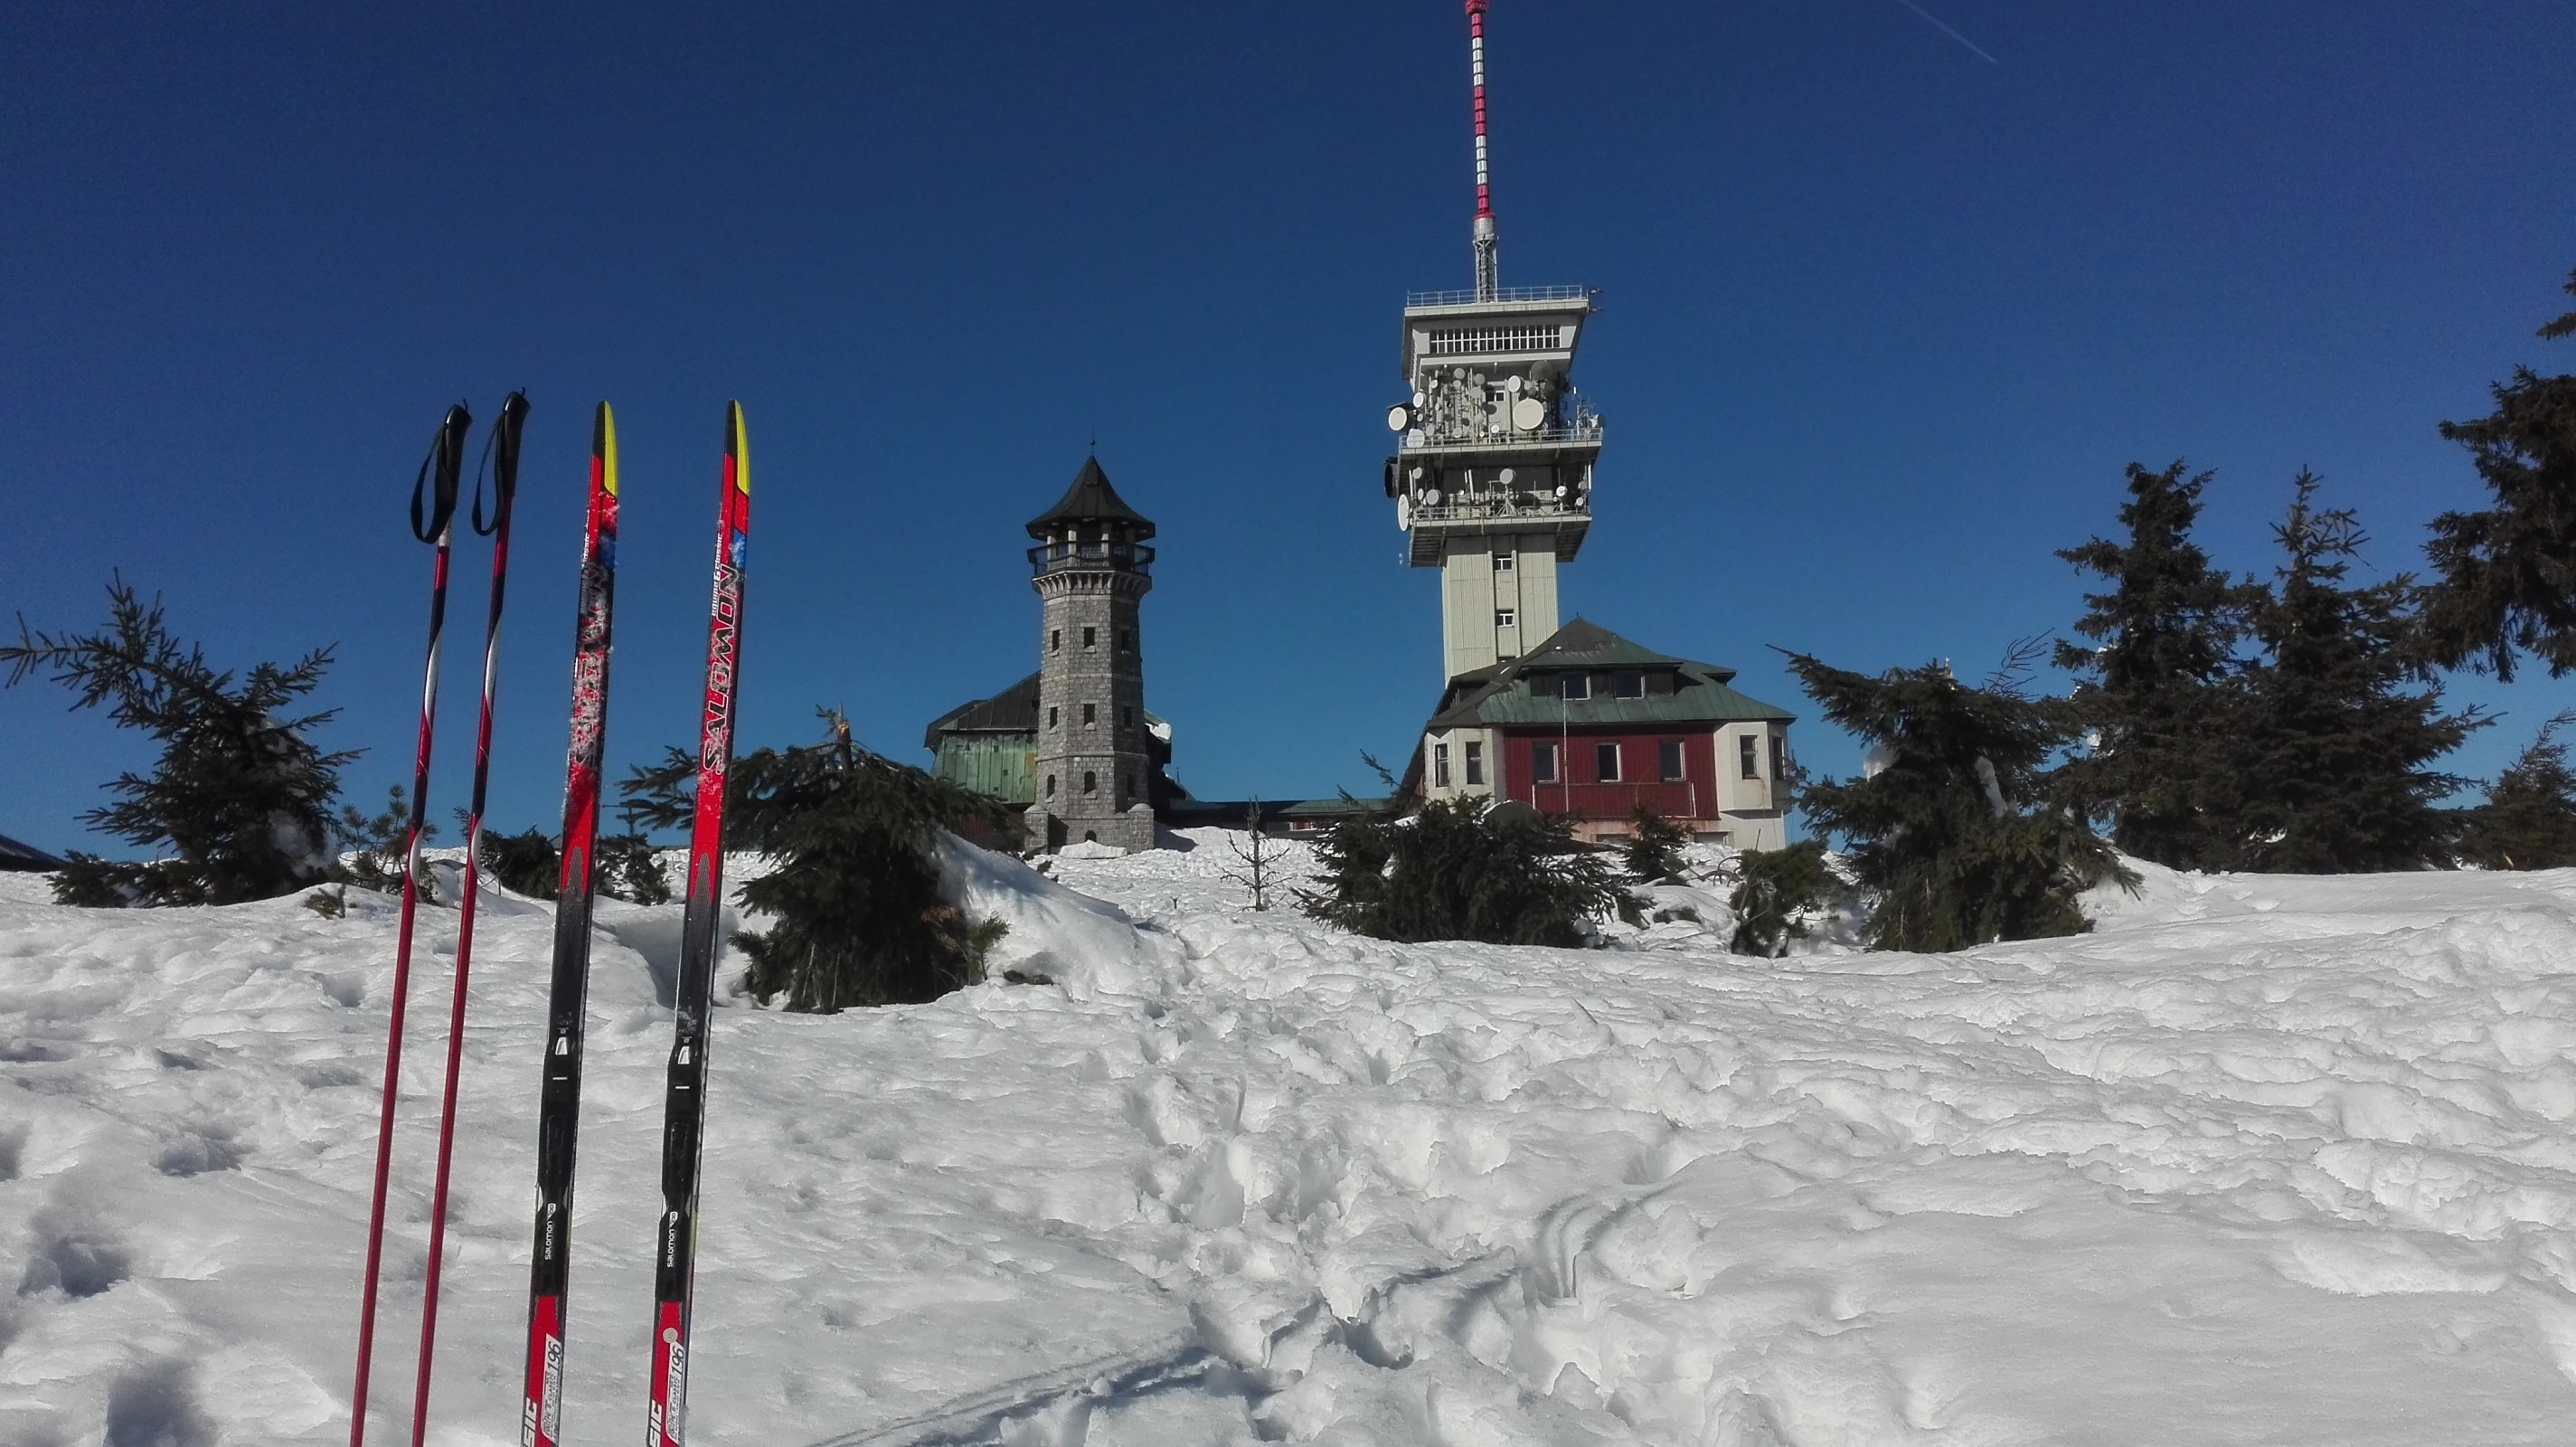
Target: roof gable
(1523, 692)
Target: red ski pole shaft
(433, 526)
(505, 485)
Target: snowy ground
(2261, 1161)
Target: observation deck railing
(1501, 293)
(1070, 557)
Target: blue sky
(1882, 321)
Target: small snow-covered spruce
(1946, 832)
(2504, 579)
(629, 869)
(860, 919)
(1775, 890)
(240, 798)
(528, 862)
(2152, 696)
(1653, 851)
(2329, 749)
(1456, 869)
(2529, 818)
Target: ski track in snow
(2262, 1160)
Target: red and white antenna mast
(1487, 271)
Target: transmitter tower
(1492, 473)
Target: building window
(1575, 686)
(1543, 763)
(1668, 755)
(1127, 716)
(1090, 637)
(1126, 785)
(1050, 786)
(1051, 719)
(1475, 764)
(1750, 756)
(1505, 618)
(1090, 782)
(1126, 640)
(1627, 685)
(1090, 713)
(1503, 562)
(1440, 766)
(1779, 758)
(1605, 762)
(1055, 640)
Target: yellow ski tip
(738, 448)
(603, 447)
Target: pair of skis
(433, 509)
(684, 1106)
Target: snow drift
(2262, 1160)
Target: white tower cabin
(1492, 474)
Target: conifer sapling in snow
(855, 889)
(1461, 869)
(1653, 852)
(2529, 818)
(240, 798)
(1948, 831)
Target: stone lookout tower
(1093, 758)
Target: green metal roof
(1523, 692)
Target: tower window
(1505, 618)
(1090, 637)
(1050, 715)
(1440, 766)
(1779, 758)
(1749, 756)
(1628, 685)
(1502, 562)
(1668, 758)
(1605, 762)
(1127, 716)
(1055, 640)
(1575, 686)
(1475, 764)
(1050, 792)
(1090, 713)
(1090, 782)
(1126, 640)
(1543, 763)
(1126, 787)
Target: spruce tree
(2151, 697)
(240, 798)
(2529, 818)
(855, 893)
(2331, 759)
(1948, 830)
(1458, 869)
(2504, 579)
(1653, 852)
(1776, 887)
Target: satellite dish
(1396, 417)
(1414, 438)
(1560, 492)
(1475, 379)
(1511, 384)
(1431, 495)
(1457, 374)
(1418, 398)
(1416, 474)
(1404, 513)
(1527, 413)
(1506, 478)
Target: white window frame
(1616, 772)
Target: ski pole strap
(436, 484)
(501, 456)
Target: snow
(2262, 1160)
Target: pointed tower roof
(1091, 499)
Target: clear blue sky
(1882, 320)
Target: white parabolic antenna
(1414, 438)
(1527, 414)
(1506, 478)
(1431, 495)
(1396, 418)
(1404, 514)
